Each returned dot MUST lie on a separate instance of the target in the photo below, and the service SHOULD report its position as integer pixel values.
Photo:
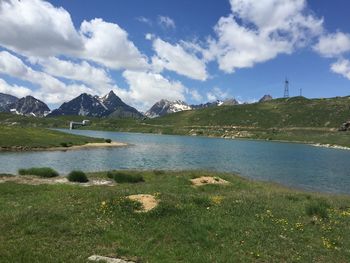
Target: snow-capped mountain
(207, 105)
(164, 107)
(29, 106)
(84, 105)
(94, 106)
(5, 101)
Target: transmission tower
(286, 89)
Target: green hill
(278, 113)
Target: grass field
(26, 138)
(243, 221)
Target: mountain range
(109, 105)
(164, 107)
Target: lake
(295, 165)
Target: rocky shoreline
(331, 146)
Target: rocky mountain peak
(30, 106)
(266, 97)
(95, 106)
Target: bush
(42, 172)
(77, 176)
(121, 177)
(318, 208)
(108, 140)
(64, 144)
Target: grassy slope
(39, 138)
(278, 113)
(243, 222)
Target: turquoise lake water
(295, 165)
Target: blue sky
(195, 50)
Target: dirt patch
(33, 180)
(98, 258)
(204, 180)
(148, 201)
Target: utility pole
(286, 88)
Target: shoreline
(71, 148)
(331, 146)
(311, 143)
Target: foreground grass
(27, 138)
(242, 222)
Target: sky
(196, 51)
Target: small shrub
(318, 208)
(42, 172)
(77, 176)
(64, 144)
(108, 140)
(121, 177)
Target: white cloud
(258, 31)
(333, 45)
(36, 28)
(217, 94)
(176, 58)
(144, 20)
(15, 90)
(149, 36)
(240, 47)
(273, 15)
(146, 88)
(342, 67)
(195, 95)
(51, 89)
(108, 44)
(82, 71)
(166, 22)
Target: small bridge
(74, 124)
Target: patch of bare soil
(33, 180)
(148, 201)
(204, 180)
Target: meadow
(243, 221)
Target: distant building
(73, 124)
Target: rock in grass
(98, 258)
(204, 180)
